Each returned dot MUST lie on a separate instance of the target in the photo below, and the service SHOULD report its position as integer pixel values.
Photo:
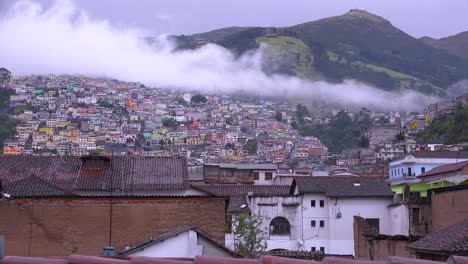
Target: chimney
(2, 246)
(109, 252)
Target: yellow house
(47, 130)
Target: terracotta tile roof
(77, 259)
(453, 239)
(52, 176)
(401, 260)
(336, 260)
(445, 169)
(342, 186)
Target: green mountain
(357, 45)
(455, 44)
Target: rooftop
(342, 186)
(445, 169)
(26, 176)
(453, 239)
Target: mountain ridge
(356, 45)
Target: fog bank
(65, 40)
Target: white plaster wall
(337, 236)
(277, 209)
(176, 246)
(399, 220)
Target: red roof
(445, 169)
(24, 176)
(77, 259)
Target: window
(374, 223)
(280, 226)
(313, 249)
(256, 176)
(409, 171)
(312, 203)
(416, 216)
(322, 249)
(312, 223)
(423, 170)
(322, 203)
(268, 175)
(322, 223)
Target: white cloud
(64, 40)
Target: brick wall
(448, 208)
(52, 227)
(376, 247)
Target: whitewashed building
(318, 213)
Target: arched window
(280, 226)
(423, 170)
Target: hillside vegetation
(448, 129)
(356, 45)
(7, 124)
(455, 44)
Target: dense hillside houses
(103, 166)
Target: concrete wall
(399, 220)
(377, 249)
(81, 226)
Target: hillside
(456, 44)
(357, 45)
(447, 129)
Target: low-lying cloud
(65, 40)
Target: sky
(106, 38)
(434, 18)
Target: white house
(405, 170)
(184, 242)
(318, 214)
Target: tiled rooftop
(343, 186)
(57, 176)
(453, 239)
(77, 259)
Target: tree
(229, 146)
(169, 122)
(248, 234)
(198, 99)
(278, 116)
(251, 146)
(181, 101)
(364, 143)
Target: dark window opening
(322, 223)
(423, 170)
(313, 249)
(374, 223)
(322, 249)
(312, 203)
(409, 171)
(280, 226)
(322, 203)
(256, 176)
(312, 223)
(268, 175)
(416, 216)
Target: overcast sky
(435, 18)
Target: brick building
(73, 205)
